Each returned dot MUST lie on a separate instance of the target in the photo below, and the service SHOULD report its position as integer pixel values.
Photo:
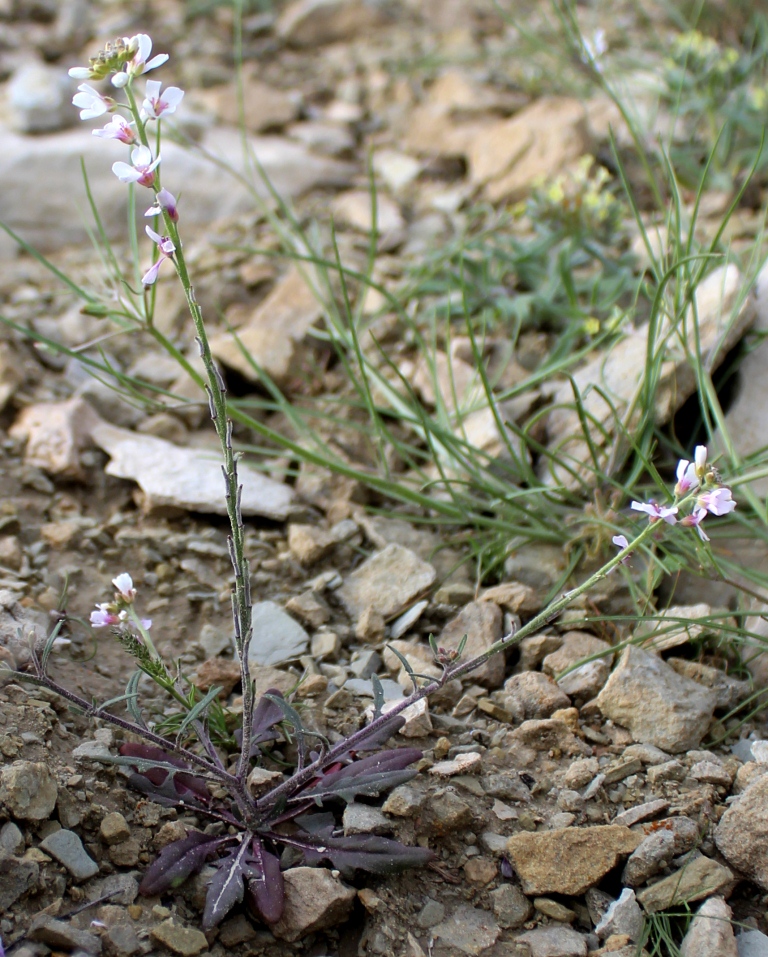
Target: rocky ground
(564, 813)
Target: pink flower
(102, 617)
(124, 584)
(146, 623)
(687, 478)
(620, 541)
(718, 501)
(140, 63)
(164, 201)
(155, 105)
(167, 249)
(655, 511)
(91, 103)
(694, 520)
(142, 171)
(118, 128)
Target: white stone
(187, 478)
(276, 636)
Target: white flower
(167, 249)
(118, 128)
(140, 62)
(142, 170)
(655, 511)
(165, 201)
(91, 103)
(700, 458)
(718, 501)
(620, 541)
(155, 104)
(687, 478)
(124, 584)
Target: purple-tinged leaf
(226, 887)
(178, 861)
(377, 738)
(367, 852)
(265, 889)
(265, 716)
(185, 783)
(316, 823)
(369, 776)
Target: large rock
(536, 694)
(52, 221)
(482, 623)
(55, 434)
(508, 157)
(568, 860)
(68, 850)
(28, 790)
(264, 107)
(187, 478)
(711, 932)
(274, 332)
(555, 942)
(657, 705)
(609, 383)
(468, 929)
(386, 582)
(314, 900)
(584, 682)
(742, 834)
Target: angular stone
(114, 828)
(701, 877)
(481, 622)
(39, 98)
(354, 208)
(68, 850)
(386, 582)
(308, 543)
(569, 860)
(187, 478)
(752, 943)
(742, 834)
(618, 373)
(314, 900)
(404, 801)
(468, 929)
(511, 907)
(182, 940)
(28, 790)
(274, 331)
(584, 682)
(61, 935)
(264, 106)
(622, 917)
(56, 433)
(537, 694)
(218, 671)
(657, 705)
(730, 691)
(364, 819)
(514, 597)
(711, 932)
(508, 157)
(276, 636)
(652, 854)
(555, 942)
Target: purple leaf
(265, 889)
(184, 783)
(226, 887)
(369, 776)
(368, 852)
(178, 861)
(265, 716)
(379, 737)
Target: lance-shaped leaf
(186, 784)
(226, 887)
(265, 889)
(198, 711)
(366, 852)
(370, 776)
(266, 715)
(376, 738)
(178, 861)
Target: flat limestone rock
(509, 156)
(274, 331)
(568, 860)
(656, 704)
(276, 636)
(386, 582)
(722, 317)
(187, 478)
(700, 878)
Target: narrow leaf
(367, 852)
(378, 696)
(226, 888)
(406, 664)
(178, 861)
(199, 708)
(264, 884)
(49, 645)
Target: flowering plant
(207, 763)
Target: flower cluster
(698, 486)
(125, 60)
(119, 611)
